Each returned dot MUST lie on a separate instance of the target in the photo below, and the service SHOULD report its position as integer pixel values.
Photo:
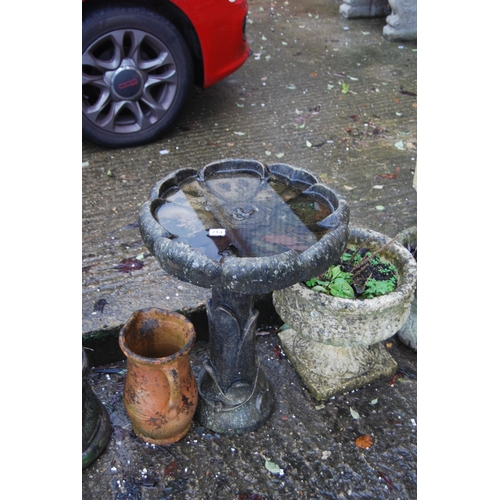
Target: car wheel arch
(171, 12)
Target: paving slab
(319, 92)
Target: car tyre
(137, 73)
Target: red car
(141, 58)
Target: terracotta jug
(160, 393)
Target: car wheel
(136, 75)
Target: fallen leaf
(240, 133)
(279, 155)
(374, 401)
(395, 378)
(99, 305)
(170, 469)
(131, 264)
(277, 352)
(349, 188)
(364, 442)
(386, 478)
(388, 176)
(354, 413)
(405, 92)
(380, 207)
(273, 468)
(291, 87)
(132, 225)
(378, 186)
(308, 144)
(400, 145)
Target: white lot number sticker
(217, 232)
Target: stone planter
(335, 344)
(408, 333)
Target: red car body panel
(219, 26)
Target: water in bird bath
(258, 217)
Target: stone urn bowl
(408, 333)
(336, 344)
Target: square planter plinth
(330, 371)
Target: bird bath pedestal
(241, 228)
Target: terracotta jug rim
(161, 360)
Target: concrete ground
(285, 104)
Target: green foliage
(374, 288)
(340, 283)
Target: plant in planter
(361, 274)
(335, 343)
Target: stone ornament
(235, 396)
(350, 9)
(335, 344)
(401, 22)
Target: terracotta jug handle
(175, 386)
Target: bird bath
(241, 228)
